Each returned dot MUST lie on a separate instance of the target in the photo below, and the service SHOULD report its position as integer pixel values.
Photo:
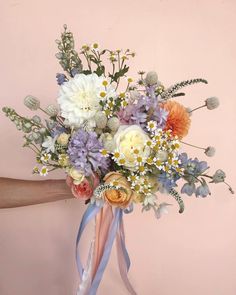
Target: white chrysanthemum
(79, 98)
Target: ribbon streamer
(109, 226)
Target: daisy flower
(43, 171)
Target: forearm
(15, 192)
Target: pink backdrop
(193, 253)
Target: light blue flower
(203, 190)
(188, 188)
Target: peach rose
(83, 190)
(118, 197)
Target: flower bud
(151, 78)
(219, 176)
(42, 130)
(101, 120)
(210, 151)
(36, 119)
(63, 139)
(212, 103)
(51, 110)
(113, 123)
(31, 102)
(162, 156)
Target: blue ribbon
(89, 214)
(116, 224)
(125, 252)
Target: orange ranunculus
(178, 119)
(118, 197)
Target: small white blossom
(43, 171)
(49, 144)
(45, 157)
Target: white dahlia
(79, 98)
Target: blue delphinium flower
(203, 190)
(57, 130)
(61, 78)
(84, 152)
(167, 181)
(188, 188)
(193, 168)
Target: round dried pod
(212, 103)
(151, 78)
(51, 110)
(113, 123)
(31, 102)
(210, 151)
(100, 119)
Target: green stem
(197, 108)
(192, 145)
(32, 149)
(35, 147)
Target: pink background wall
(193, 253)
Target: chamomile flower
(104, 153)
(151, 125)
(43, 171)
(130, 80)
(45, 158)
(158, 164)
(35, 170)
(133, 178)
(95, 46)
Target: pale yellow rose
(76, 175)
(63, 139)
(118, 197)
(130, 138)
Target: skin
(17, 193)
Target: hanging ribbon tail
(123, 257)
(103, 222)
(109, 226)
(89, 215)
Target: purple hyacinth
(146, 109)
(84, 152)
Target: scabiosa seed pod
(101, 120)
(210, 151)
(51, 110)
(212, 103)
(151, 78)
(113, 123)
(31, 102)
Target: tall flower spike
(177, 197)
(169, 92)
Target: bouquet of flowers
(119, 141)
